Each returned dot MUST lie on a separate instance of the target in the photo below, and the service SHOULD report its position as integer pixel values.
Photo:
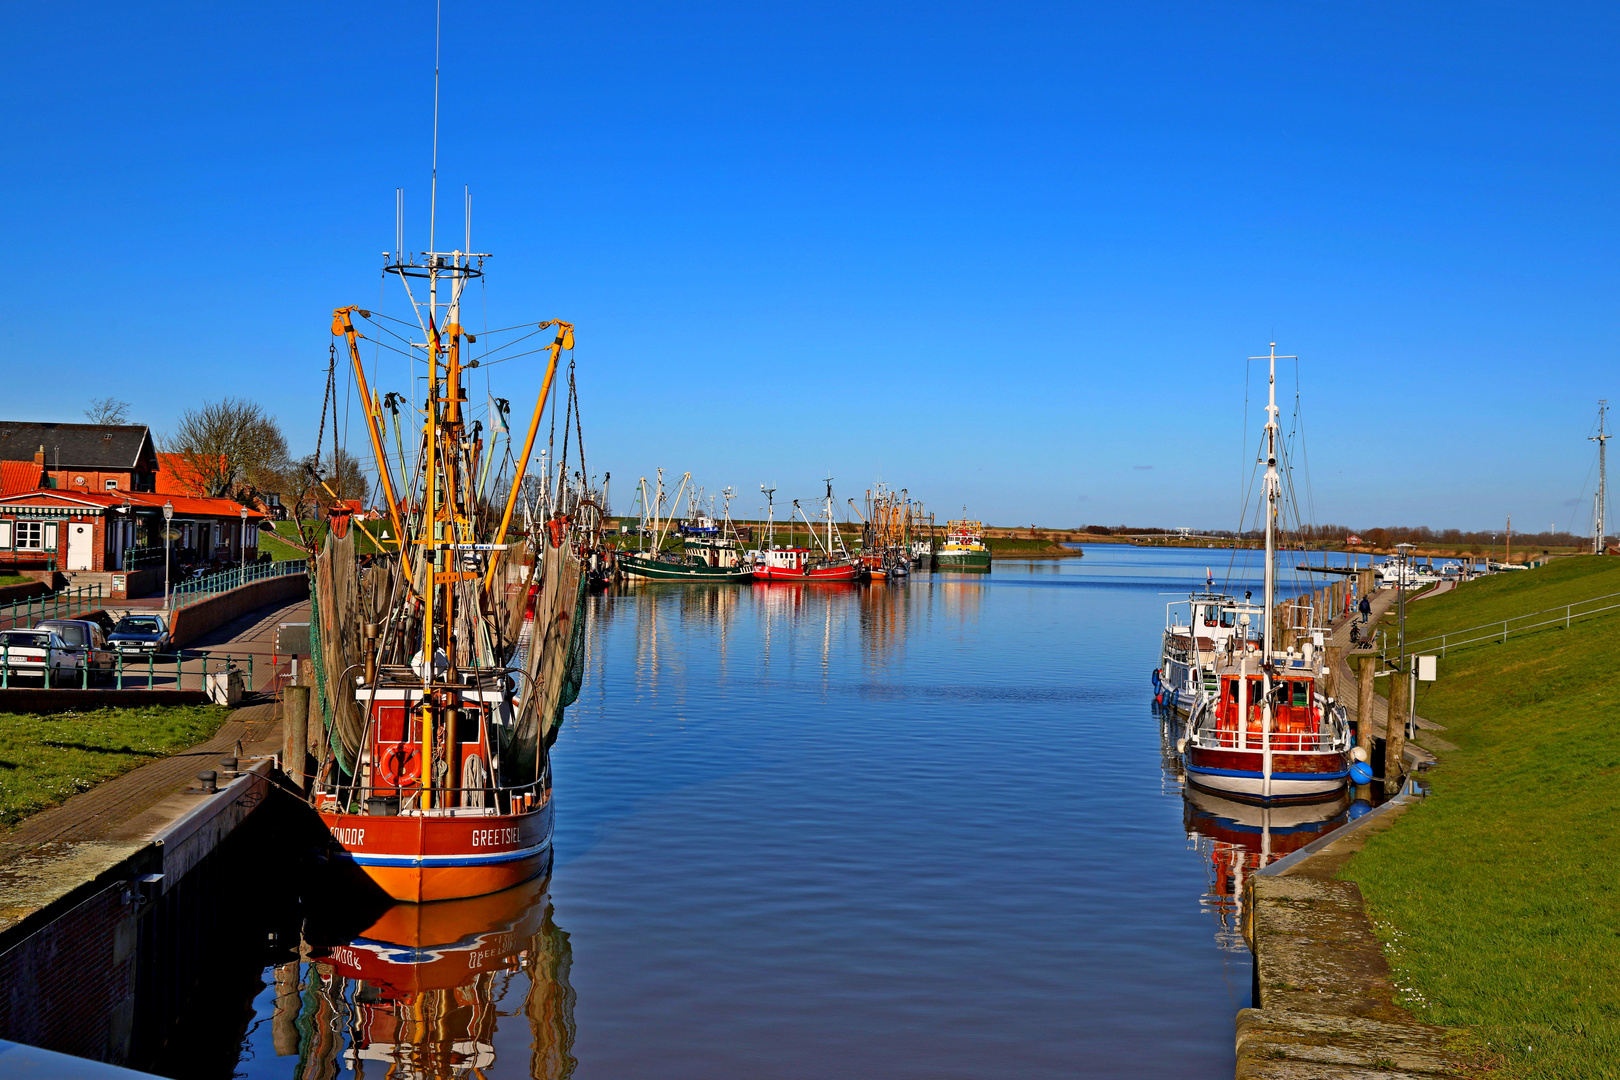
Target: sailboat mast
(1273, 490)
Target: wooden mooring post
(295, 733)
(1395, 734)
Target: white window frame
(30, 536)
(5, 534)
(112, 485)
(50, 536)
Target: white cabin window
(30, 535)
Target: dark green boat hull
(962, 562)
(655, 570)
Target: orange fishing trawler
(444, 663)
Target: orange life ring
(400, 766)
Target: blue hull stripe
(1256, 775)
(448, 860)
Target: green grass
(44, 760)
(1498, 899)
(283, 543)
(14, 579)
(1001, 545)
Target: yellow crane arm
(343, 325)
(565, 340)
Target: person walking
(1365, 608)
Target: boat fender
(1181, 746)
(1361, 772)
(1359, 808)
(1358, 753)
(1155, 678)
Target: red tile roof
(18, 476)
(184, 505)
(178, 476)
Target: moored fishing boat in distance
(885, 533)
(1261, 729)
(708, 554)
(964, 550)
(827, 562)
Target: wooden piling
(1395, 734)
(1366, 665)
(1332, 682)
(295, 733)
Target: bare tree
(229, 446)
(341, 471)
(107, 410)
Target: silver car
(38, 654)
(89, 645)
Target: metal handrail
(190, 592)
(62, 604)
(130, 677)
(1499, 629)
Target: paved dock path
(53, 852)
(1382, 601)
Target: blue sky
(1006, 256)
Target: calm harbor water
(928, 829)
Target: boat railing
(393, 799)
(1281, 742)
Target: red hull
(422, 857)
(817, 573)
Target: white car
(38, 654)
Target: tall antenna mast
(1273, 493)
(433, 208)
(1601, 438)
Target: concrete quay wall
(99, 939)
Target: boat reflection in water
(419, 992)
(1240, 838)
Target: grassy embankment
(283, 543)
(14, 579)
(1498, 898)
(46, 759)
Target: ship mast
(1273, 495)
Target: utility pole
(1601, 438)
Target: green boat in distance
(672, 567)
(711, 550)
(964, 550)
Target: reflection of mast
(549, 1004)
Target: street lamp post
(241, 542)
(168, 516)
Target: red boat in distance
(831, 563)
(800, 564)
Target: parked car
(140, 634)
(88, 642)
(38, 654)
